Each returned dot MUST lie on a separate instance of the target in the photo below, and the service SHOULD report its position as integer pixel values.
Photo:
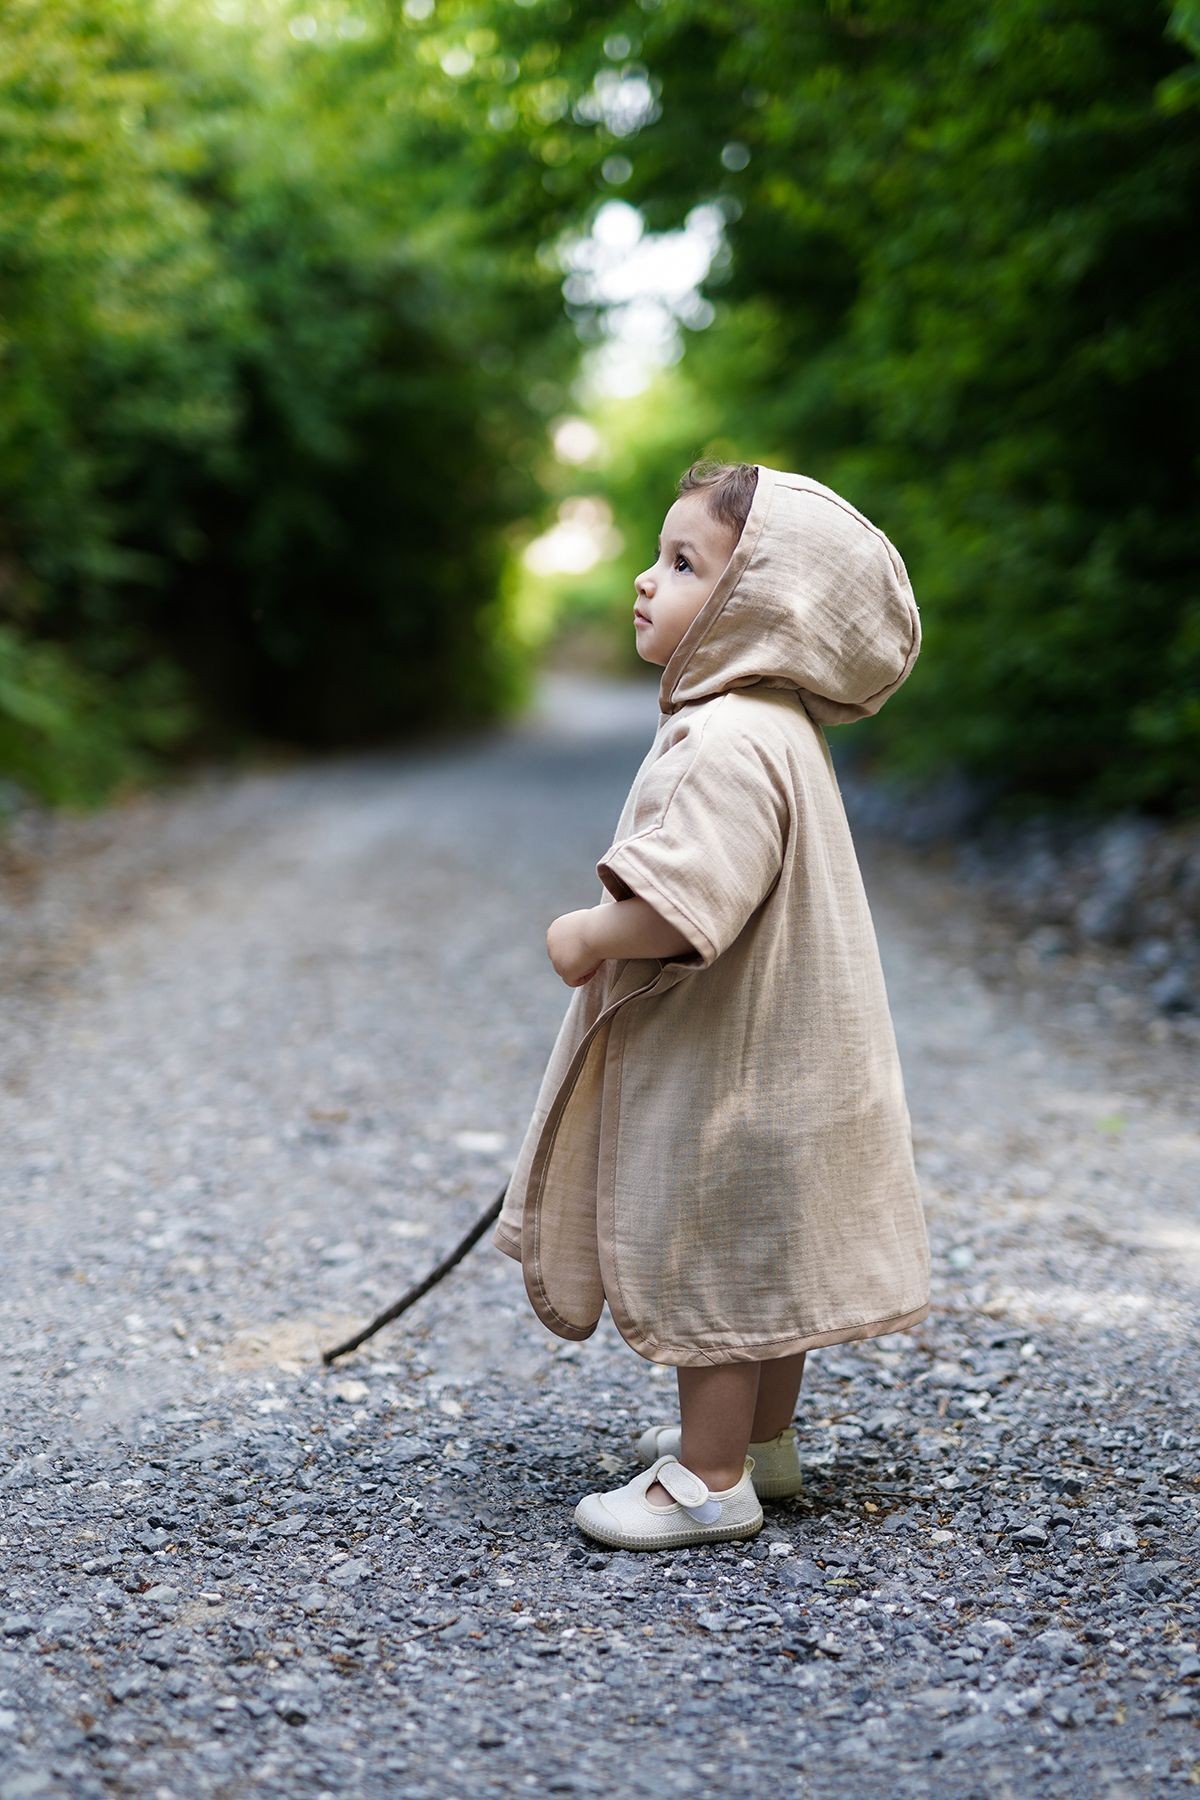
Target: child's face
(693, 550)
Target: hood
(814, 598)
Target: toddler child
(721, 1148)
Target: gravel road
(269, 1045)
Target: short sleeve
(706, 841)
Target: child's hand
(569, 949)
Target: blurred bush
(282, 330)
(275, 355)
(959, 285)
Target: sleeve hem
(623, 864)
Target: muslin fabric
(721, 1148)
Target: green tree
(277, 352)
(962, 274)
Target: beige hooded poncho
(721, 1146)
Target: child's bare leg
(716, 1405)
(778, 1390)
(716, 1431)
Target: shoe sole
(679, 1540)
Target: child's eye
(681, 558)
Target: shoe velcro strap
(688, 1491)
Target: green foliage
(275, 352)
(74, 738)
(961, 289)
(281, 332)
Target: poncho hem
(692, 1357)
(507, 1240)
(678, 1356)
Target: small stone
(1064, 1481)
(127, 1687)
(351, 1391)
(347, 1573)
(990, 1631)
(39, 1784)
(804, 1572)
(294, 1698)
(411, 1452)
(941, 1701)
(208, 1448)
(904, 1520)
(292, 1526)
(65, 1621)
(1073, 1706)
(981, 1728)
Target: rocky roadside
(1116, 901)
(269, 1047)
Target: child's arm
(578, 942)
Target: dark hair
(728, 489)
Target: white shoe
(776, 1462)
(626, 1520)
